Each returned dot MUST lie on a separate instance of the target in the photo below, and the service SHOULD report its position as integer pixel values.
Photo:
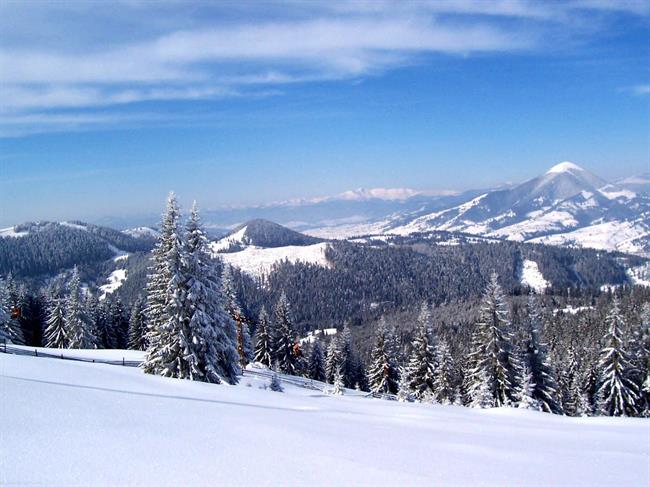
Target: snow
(11, 232)
(115, 280)
(74, 423)
(622, 236)
(258, 261)
(565, 166)
(640, 275)
(612, 192)
(551, 221)
(532, 277)
(389, 194)
(74, 225)
(312, 336)
(226, 242)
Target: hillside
(129, 428)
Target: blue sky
(106, 106)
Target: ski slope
(70, 423)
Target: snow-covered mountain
(567, 205)
(257, 245)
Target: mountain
(567, 205)
(261, 233)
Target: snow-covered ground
(257, 261)
(114, 281)
(532, 277)
(73, 423)
(11, 232)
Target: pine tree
(210, 349)
(168, 331)
(119, 321)
(526, 399)
(421, 366)
(244, 344)
(275, 385)
(264, 340)
(137, 326)
(383, 374)
(617, 393)
(284, 339)
(492, 358)
(316, 363)
(78, 328)
(347, 355)
(443, 383)
(545, 390)
(337, 382)
(334, 359)
(55, 330)
(404, 390)
(9, 322)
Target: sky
(107, 106)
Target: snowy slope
(532, 277)
(110, 425)
(257, 261)
(114, 282)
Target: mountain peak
(565, 166)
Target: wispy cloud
(239, 47)
(641, 89)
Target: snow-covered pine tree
(55, 329)
(334, 359)
(404, 391)
(244, 343)
(284, 339)
(422, 364)
(535, 359)
(492, 358)
(10, 323)
(78, 328)
(526, 394)
(347, 354)
(137, 326)
(120, 321)
(264, 340)
(337, 382)
(317, 363)
(210, 350)
(617, 393)
(443, 383)
(275, 385)
(167, 330)
(383, 374)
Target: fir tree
(404, 390)
(167, 332)
(10, 319)
(617, 393)
(210, 348)
(78, 328)
(383, 375)
(137, 326)
(492, 358)
(244, 344)
(443, 383)
(545, 390)
(334, 359)
(316, 363)
(275, 385)
(526, 399)
(421, 366)
(337, 382)
(55, 331)
(284, 339)
(264, 340)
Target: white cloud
(133, 51)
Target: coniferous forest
(477, 338)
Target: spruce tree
(264, 340)
(526, 399)
(10, 319)
(383, 374)
(244, 343)
(545, 390)
(167, 333)
(137, 326)
(421, 366)
(337, 382)
(55, 329)
(617, 393)
(78, 328)
(210, 348)
(335, 359)
(492, 358)
(443, 383)
(317, 363)
(285, 337)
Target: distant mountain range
(567, 205)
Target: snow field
(74, 423)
